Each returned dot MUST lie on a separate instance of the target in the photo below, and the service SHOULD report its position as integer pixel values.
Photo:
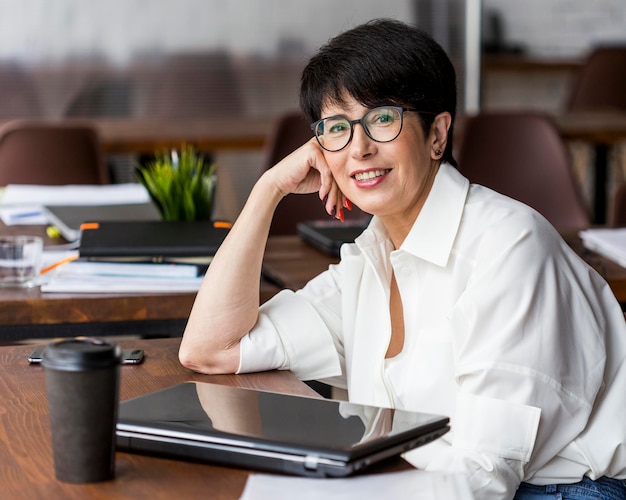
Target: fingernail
(333, 211)
(347, 203)
(341, 216)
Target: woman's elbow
(198, 360)
(189, 359)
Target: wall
(557, 32)
(561, 27)
(116, 30)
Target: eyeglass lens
(381, 124)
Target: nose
(361, 145)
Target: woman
(455, 300)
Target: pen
(59, 263)
(25, 215)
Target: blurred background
(127, 57)
(195, 58)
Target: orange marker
(59, 263)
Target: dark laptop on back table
(269, 431)
(329, 235)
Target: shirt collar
(433, 233)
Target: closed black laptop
(151, 239)
(329, 235)
(68, 218)
(269, 431)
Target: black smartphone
(129, 356)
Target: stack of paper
(110, 277)
(75, 194)
(608, 242)
(25, 204)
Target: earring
(437, 152)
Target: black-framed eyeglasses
(381, 124)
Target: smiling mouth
(372, 174)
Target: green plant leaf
(181, 190)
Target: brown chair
(617, 209)
(601, 81)
(35, 152)
(521, 155)
(290, 132)
(600, 86)
(196, 85)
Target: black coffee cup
(82, 381)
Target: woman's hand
(227, 304)
(305, 171)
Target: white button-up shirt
(507, 331)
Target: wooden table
(612, 272)
(135, 135)
(29, 313)
(146, 135)
(291, 263)
(27, 469)
(606, 128)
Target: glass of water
(20, 260)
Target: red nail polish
(348, 204)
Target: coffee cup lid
(81, 354)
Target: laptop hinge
(311, 462)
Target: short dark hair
(382, 62)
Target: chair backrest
(34, 152)
(18, 93)
(191, 85)
(617, 209)
(290, 132)
(108, 97)
(601, 81)
(522, 155)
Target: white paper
(27, 215)
(87, 269)
(49, 257)
(414, 484)
(113, 277)
(608, 242)
(119, 284)
(23, 204)
(75, 194)
(52, 255)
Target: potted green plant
(182, 186)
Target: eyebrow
(345, 113)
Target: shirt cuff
(294, 338)
(261, 349)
